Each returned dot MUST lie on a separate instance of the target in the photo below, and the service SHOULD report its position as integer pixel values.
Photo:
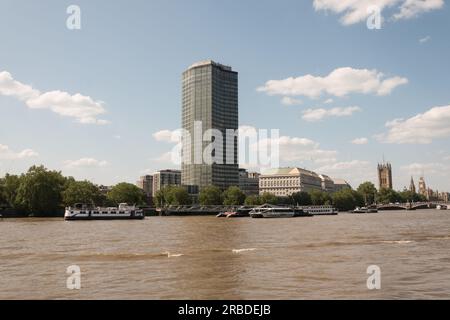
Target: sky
(98, 102)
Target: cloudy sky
(99, 103)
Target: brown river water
(211, 258)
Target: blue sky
(129, 55)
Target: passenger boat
(86, 212)
(321, 210)
(364, 210)
(239, 213)
(270, 211)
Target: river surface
(211, 258)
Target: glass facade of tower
(210, 97)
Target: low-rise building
(340, 184)
(327, 183)
(104, 189)
(145, 183)
(249, 182)
(444, 196)
(164, 178)
(283, 182)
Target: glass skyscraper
(210, 97)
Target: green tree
(3, 202)
(388, 196)
(82, 192)
(161, 197)
(252, 201)
(233, 196)
(126, 193)
(421, 198)
(368, 192)
(347, 199)
(210, 196)
(320, 198)
(178, 196)
(409, 196)
(301, 198)
(11, 185)
(40, 191)
(268, 198)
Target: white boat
(364, 210)
(239, 213)
(443, 207)
(85, 212)
(270, 211)
(321, 210)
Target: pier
(198, 210)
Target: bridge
(412, 205)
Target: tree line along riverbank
(45, 193)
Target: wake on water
(173, 255)
(243, 250)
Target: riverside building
(249, 182)
(283, 182)
(145, 183)
(165, 178)
(340, 184)
(210, 97)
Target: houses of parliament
(385, 182)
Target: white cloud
(7, 154)
(83, 108)
(313, 115)
(13, 88)
(426, 168)
(355, 11)
(425, 39)
(294, 149)
(355, 171)
(171, 136)
(339, 83)
(291, 149)
(420, 129)
(360, 141)
(169, 157)
(344, 166)
(412, 8)
(85, 163)
(328, 101)
(288, 101)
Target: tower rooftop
(210, 62)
